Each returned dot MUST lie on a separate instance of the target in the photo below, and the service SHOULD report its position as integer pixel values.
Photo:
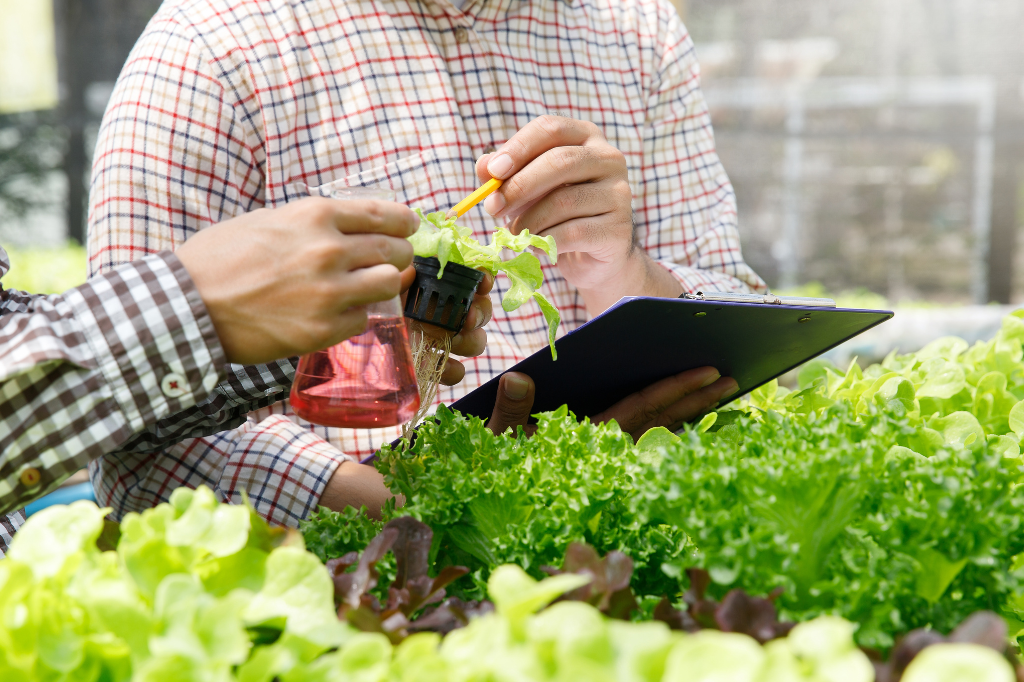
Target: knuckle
(562, 160)
(623, 191)
(316, 210)
(643, 413)
(374, 216)
(614, 155)
(549, 123)
(383, 246)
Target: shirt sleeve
(686, 213)
(173, 102)
(80, 373)
(280, 466)
(176, 151)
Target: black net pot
(442, 302)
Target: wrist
(356, 485)
(639, 275)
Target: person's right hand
(291, 280)
(670, 402)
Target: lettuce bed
(878, 508)
(887, 496)
(199, 591)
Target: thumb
(513, 403)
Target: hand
(670, 403)
(562, 178)
(471, 340)
(291, 280)
(358, 485)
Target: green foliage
(45, 271)
(194, 590)
(441, 238)
(573, 641)
(888, 496)
(510, 499)
(830, 508)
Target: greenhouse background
(874, 146)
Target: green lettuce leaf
(440, 237)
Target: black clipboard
(641, 340)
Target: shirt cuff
(281, 467)
(696, 279)
(152, 337)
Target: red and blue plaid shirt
(224, 106)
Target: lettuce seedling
(441, 238)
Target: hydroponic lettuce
(193, 592)
(204, 592)
(450, 243)
(832, 510)
(888, 496)
(492, 500)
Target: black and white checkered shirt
(129, 360)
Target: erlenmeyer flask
(369, 380)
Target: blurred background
(875, 145)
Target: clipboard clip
(766, 299)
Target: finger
(369, 285)
(537, 137)
(485, 285)
(479, 313)
(367, 250)
(692, 406)
(469, 344)
(564, 204)
(513, 402)
(588, 235)
(552, 169)
(368, 216)
(636, 410)
(454, 372)
(481, 168)
(408, 277)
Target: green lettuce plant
(194, 591)
(888, 495)
(441, 238)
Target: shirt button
(173, 385)
(30, 477)
(490, 149)
(461, 35)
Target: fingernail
(728, 392)
(499, 166)
(494, 203)
(516, 388)
(711, 379)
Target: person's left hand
(471, 340)
(562, 178)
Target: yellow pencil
(484, 191)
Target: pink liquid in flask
(367, 381)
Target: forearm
(80, 373)
(280, 467)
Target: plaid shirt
(82, 372)
(225, 106)
(129, 362)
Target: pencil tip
(451, 215)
